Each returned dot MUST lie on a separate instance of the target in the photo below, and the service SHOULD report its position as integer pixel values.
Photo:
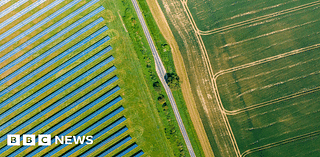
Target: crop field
(263, 57)
(65, 72)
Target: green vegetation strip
(172, 131)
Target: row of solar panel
(12, 7)
(47, 53)
(50, 74)
(46, 42)
(59, 125)
(21, 13)
(57, 92)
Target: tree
(173, 81)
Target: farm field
(261, 62)
(265, 60)
(64, 71)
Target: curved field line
(214, 77)
(288, 97)
(290, 53)
(242, 23)
(274, 144)
(270, 33)
(265, 60)
(211, 74)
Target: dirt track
(180, 68)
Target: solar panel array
(20, 13)
(12, 7)
(57, 77)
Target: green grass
(166, 57)
(172, 130)
(174, 139)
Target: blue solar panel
(83, 121)
(59, 102)
(127, 150)
(138, 154)
(45, 54)
(94, 114)
(112, 148)
(48, 75)
(103, 142)
(12, 7)
(54, 117)
(44, 32)
(74, 104)
(58, 80)
(20, 13)
(29, 19)
(57, 92)
(48, 41)
(84, 132)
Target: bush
(161, 99)
(157, 87)
(173, 81)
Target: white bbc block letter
(13, 140)
(44, 140)
(29, 140)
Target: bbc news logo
(45, 140)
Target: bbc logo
(28, 140)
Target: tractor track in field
(262, 61)
(212, 80)
(267, 103)
(265, 60)
(274, 144)
(214, 76)
(257, 19)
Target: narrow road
(161, 71)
